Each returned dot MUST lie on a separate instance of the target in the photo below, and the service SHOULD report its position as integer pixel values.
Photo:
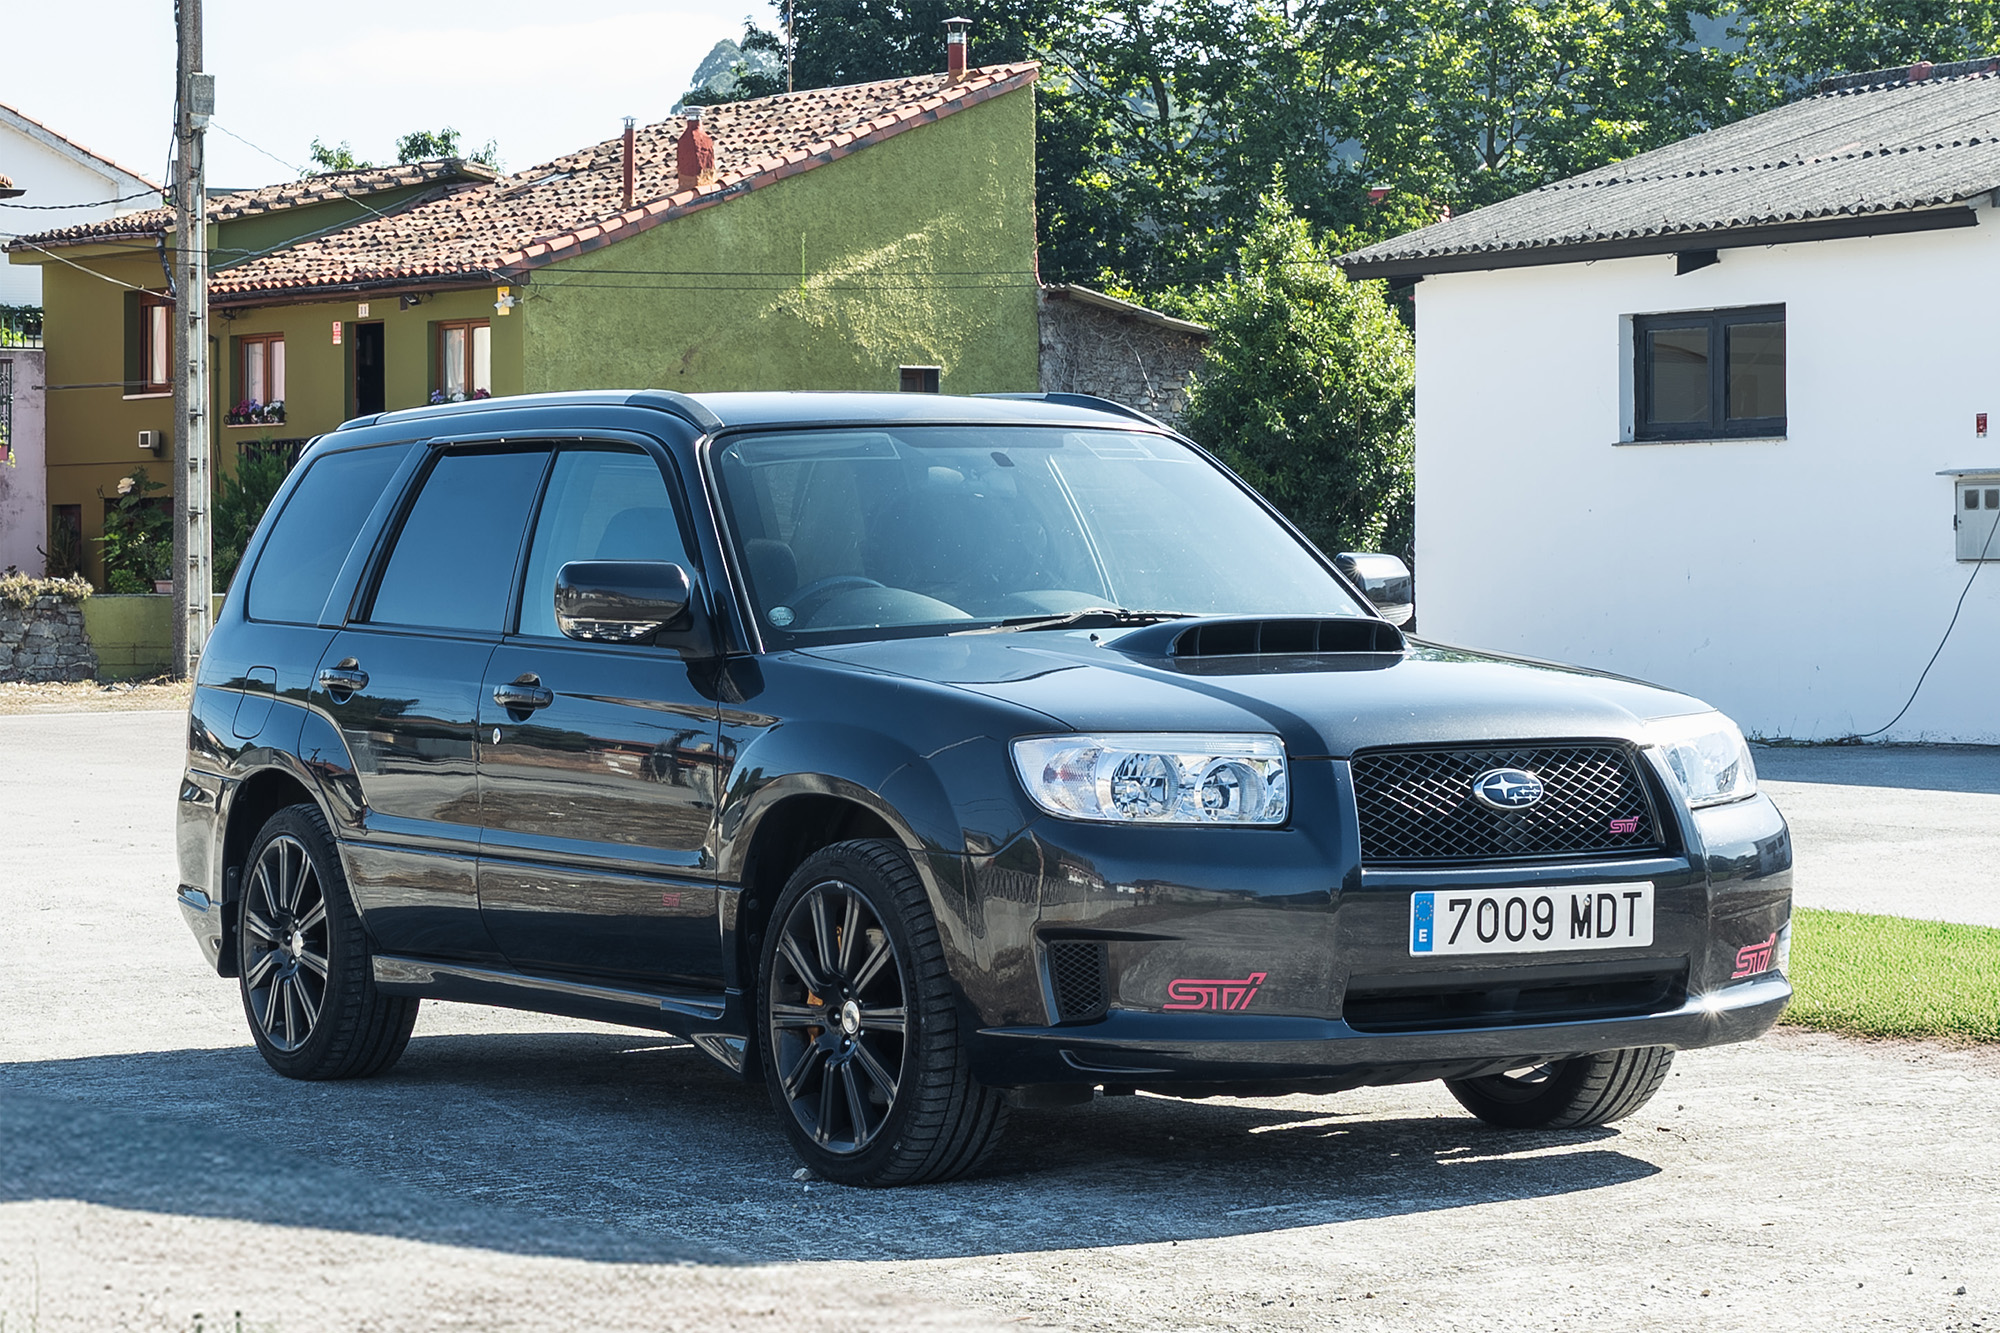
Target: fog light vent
(1080, 977)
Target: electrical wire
(94, 203)
(1977, 565)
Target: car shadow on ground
(637, 1149)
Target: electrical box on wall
(1976, 512)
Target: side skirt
(712, 1021)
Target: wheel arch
(258, 795)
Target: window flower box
(250, 412)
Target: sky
(365, 71)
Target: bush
(138, 537)
(22, 590)
(1309, 391)
(240, 503)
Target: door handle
(343, 680)
(524, 695)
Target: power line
(95, 203)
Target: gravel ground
(516, 1172)
(1912, 830)
(89, 696)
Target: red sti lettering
(1189, 993)
(1753, 959)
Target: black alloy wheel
(305, 973)
(861, 1047)
(1576, 1093)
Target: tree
(1788, 46)
(340, 158)
(240, 501)
(1309, 389)
(424, 146)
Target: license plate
(1577, 916)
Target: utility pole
(194, 558)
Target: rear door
(402, 682)
(597, 762)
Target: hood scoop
(1256, 636)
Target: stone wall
(45, 641)
(1096, 344)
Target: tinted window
(601, 506)
(1710, 374)
(315, 532)
(453, 561)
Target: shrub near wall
(41, 629)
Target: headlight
(1707, 756)
(1157, 779)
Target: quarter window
(308, 545)
(1711, 374)
(464, 360)
(454, 560)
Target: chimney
(694, 155)
(631, 164)
(955, 31)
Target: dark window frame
(1719, 426)
(143, 382)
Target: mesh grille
(1417, 805)
(1077, 970)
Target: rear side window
(453, 562)
(313, 535)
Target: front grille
(1078, 973)
(1417, 805)
(1579, 995)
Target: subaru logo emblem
(1507, 789)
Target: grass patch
(1889, 976)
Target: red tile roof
(323, 188)
(493, 232)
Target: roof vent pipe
(694, 154)
(955, 32)
(631, 165)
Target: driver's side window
(602, 504)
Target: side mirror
(1384, 580)
(621, 601)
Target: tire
(305, 973)
(859, 1026)
(1575, 1093)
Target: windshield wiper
(1091, 617)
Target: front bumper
(1159, 1050)
(1339, 1000)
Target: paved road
(1909, 830)
(522, 1173)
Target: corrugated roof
(325, 187)
(1875, 152)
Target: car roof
(719, 411)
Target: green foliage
(333, 158)
(423, 146)
(1309, 388)
(1790, 45)
(138, 538)
(18, 589)
(240, 503)
(20, 324)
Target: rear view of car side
(929, 758)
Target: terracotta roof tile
(492, 231)
(319, 189)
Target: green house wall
(919, 250)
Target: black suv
(925, 757)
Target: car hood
(1323, 705)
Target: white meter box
(1975, 514)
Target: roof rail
(663, 400)
(682, 406)
(1082, 400)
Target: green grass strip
(1890, 976)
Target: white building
(49, 169)
(1718, 416)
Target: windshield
(849, 533)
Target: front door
(370, 370)
(403, 685)
(597, 760)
